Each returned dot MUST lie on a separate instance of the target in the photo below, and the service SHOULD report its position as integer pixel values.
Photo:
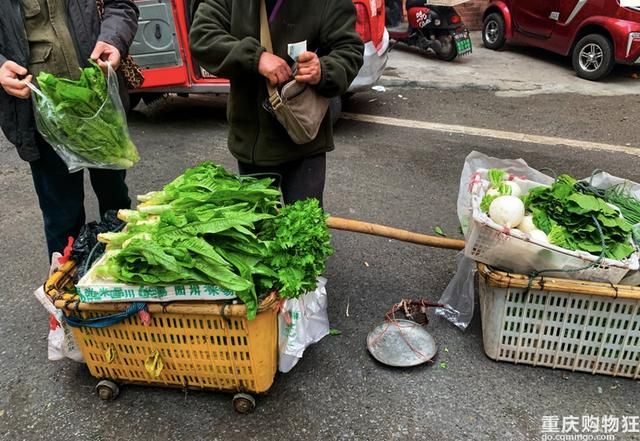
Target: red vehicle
(161, 48)
(595, 33)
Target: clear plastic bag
(84, 120)
(459, 295)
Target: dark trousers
(61, 195)
(300, 179)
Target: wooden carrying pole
(338, 223)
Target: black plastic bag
(86, 248)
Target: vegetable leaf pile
(80, 116)
(567, 217)
(211, 227)
(299, 247)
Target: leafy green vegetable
(579, 221)
(334, 331)
(439, 231)
(201, 228)
(79, 115)
(299, 247)
(212, 227)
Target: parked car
(595, 33)
(161, 48)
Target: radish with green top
(515, 188)
(507, 211)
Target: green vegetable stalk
(496, 176)
(80, 117)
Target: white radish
(493, 192)
(507, 211)
(539, 236)
(527, 225)
(515, 188)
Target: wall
(471, 13)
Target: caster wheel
(243, 403)
(107, 390)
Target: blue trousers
(61, 195)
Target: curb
(421, 84)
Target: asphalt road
(394, 176)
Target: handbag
(133, 76)
(297, 106)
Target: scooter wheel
(447, 50)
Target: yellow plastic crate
(202, 345)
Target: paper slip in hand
(295, 49)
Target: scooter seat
(416, 3)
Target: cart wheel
(243, 403)
(107, 390)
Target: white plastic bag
(61, 343)
(515, 251)
(301, 323)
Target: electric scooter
(433, 27)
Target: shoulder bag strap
(265, 40)
(100, 7)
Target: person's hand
(105, 53)
(274, 69)
(9, 72)
(309, 70)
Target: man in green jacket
(225, 39)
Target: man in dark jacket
(59, 37)
(225, 39)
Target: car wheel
(593, 57)
(493, 31)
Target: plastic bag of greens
(84, 120)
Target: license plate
(463, 41)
